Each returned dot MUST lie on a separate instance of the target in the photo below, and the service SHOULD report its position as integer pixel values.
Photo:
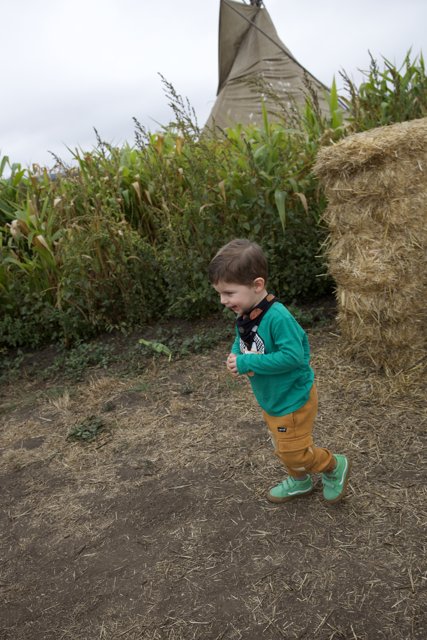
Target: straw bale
(378, 216)
(390, 332)
(385, 146)
(404, 304)
(393, 346)
(376, 185)
(369, 263)
(402, 176)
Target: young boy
(273, 350)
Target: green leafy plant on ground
(176, 343)
(129, 355)
(88, 430)
(73, 363)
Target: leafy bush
(252, 182)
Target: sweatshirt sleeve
(290, 353)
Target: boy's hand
(232, 364)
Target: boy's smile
(241, 297)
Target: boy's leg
(292, 436)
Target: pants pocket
(294, 431)
(293, 443)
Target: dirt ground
(158, 529)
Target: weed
(140, 387)
(87, 430)
(177, 343)
(10, 367)
(73, 363)
(157, 347)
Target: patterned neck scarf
(248, 323)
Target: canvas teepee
(250, 48)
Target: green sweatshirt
(280, 362)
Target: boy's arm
(290, 352)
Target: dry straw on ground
(159, 528)
(376, 185)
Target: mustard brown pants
(292, 437)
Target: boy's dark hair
(239, 261)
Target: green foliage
(71, 265)
(157, 347)
(251, 182)
(389, 95)
(178, 343)
(10, 366)
(125, 236)
(87, 430)
(73, 363)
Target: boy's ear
(259, 284)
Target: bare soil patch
(158, 528)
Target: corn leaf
(280, 198)
(158, 347)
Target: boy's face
(240, 297)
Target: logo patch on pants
(282, 429)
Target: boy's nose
(223, 299)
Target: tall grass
(70, 262)
(125, 235)
(388, 95)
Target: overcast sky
(70, 65)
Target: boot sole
(344, 489)
(288, 498)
